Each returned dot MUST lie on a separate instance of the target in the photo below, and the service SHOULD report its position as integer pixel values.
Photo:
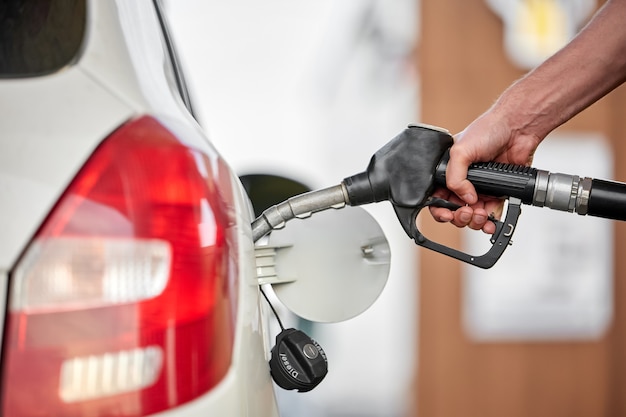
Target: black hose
(607, 199)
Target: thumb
(456, 178)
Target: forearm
(585, 70)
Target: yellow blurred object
(536, 29)
(542, 26)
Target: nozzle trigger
(499, 240)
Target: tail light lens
(124, 302)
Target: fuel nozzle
(405, 171)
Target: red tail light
(124, 302)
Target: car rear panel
(52, 123)
(51, 126)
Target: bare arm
(590, 66)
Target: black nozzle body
(403, 170)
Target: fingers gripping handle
(495, 179)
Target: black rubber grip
(607, 199)
(503, 180)
(496, 179)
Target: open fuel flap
(328, 267)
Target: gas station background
(308, 90)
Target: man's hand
(488, 138)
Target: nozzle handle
(495, 179)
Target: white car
(124, 237)
(127, 259)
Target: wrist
(527, 112)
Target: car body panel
(129, 57)
(51, 125)
(34, 172)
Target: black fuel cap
(298, 362)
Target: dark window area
(39, 37)
(267, 190)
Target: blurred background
(299, 94)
